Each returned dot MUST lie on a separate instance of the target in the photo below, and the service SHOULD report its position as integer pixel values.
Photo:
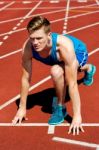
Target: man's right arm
(25, 83)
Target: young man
(66, 55)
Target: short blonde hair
(37, 22)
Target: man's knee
(57, 71)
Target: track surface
(82, 21)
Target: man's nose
(35, 41)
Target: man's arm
(71, 65)
(25, 83)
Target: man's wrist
(23, 106)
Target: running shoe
(88, 78)
(58, 114)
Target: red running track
(82, 23)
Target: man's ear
(49, 34)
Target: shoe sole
(60, 121)
(56, 123)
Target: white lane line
(47, 125)
(5, 21)
(85, 27)
(54, 1)
(30, 89)
(15, 19)
(9, 54)
(36, 85)
(1, 3)
(3, 8)
(66, 17)
(27, 15)
(74, 16)
(91, 53)
(27, 2)
(81, 143)
(5, 37)
(33, 9)
(14, 28)
(51, 129)
(1, 42)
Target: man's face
(39, 39)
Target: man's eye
(31, 39)
(39, 38)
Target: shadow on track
(45, 99)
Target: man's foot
(58, 114)
(88, 79)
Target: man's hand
(21, 114)
(76, 126)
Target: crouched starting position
(66, 54)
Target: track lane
(36, 114)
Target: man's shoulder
(27, 50)
(27, 44)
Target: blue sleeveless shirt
(52, 59)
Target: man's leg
(57, 73)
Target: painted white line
(18, 24)
(40, 8)
(32, 10)
(3, 34)
(6, 37)
(26, 2)
(30, 89)
(51, 22)
(1, 43)
(82, 1)
(47, 125)
(1, 3)
(10, 20)
(85, 27)
(27, 15)
(36, 85)
(10, 32)
(96, 50)
(7, 6)
(54, 1)
(85, 144)
(9, 54)
(14, 28)
(51, 129)
(21, 20)
(66, 17)
(15, 19)
(65, 27)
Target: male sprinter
(66, 54)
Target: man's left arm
(71, 66)
(71, 78)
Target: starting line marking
(51, 128)
(47, 125)
(86, 144)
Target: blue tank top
(52, 58)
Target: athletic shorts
(82, 54)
